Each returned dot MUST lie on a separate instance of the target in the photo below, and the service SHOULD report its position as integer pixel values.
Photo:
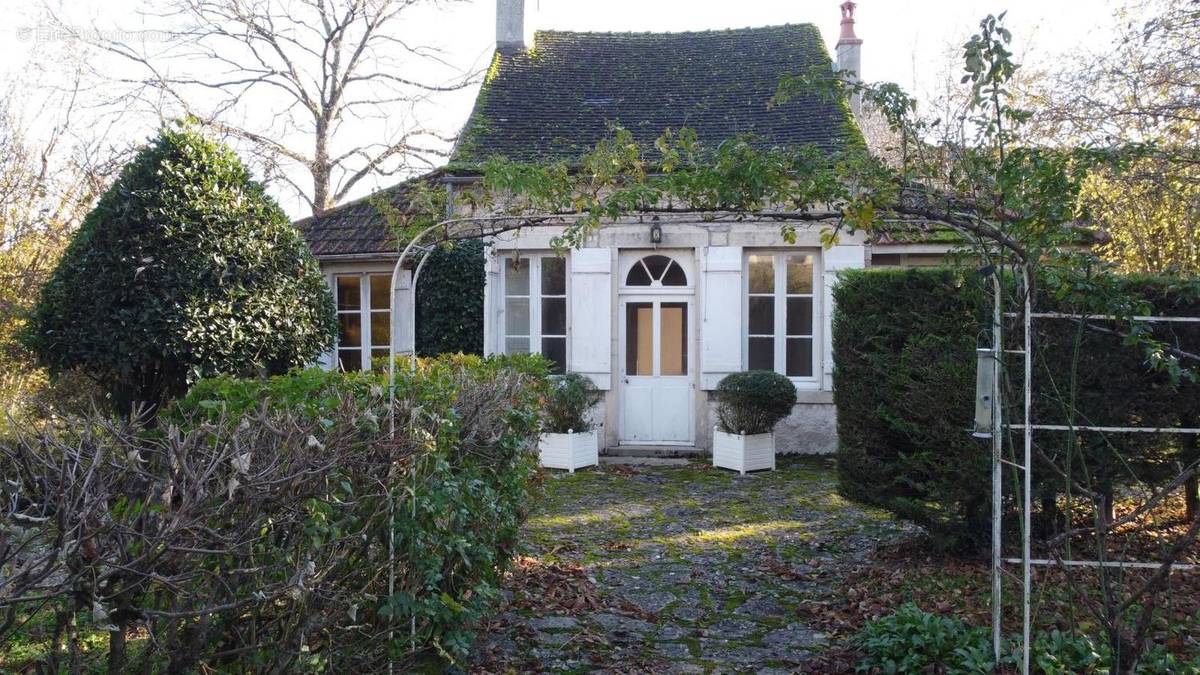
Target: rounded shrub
(753, 402)
(185, 269)
(570, 399)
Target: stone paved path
(676, 569)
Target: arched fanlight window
(656, 270)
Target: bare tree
(52, 168)
(333, 88)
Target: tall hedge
(185, 269)
(904, 384)
(450, 301)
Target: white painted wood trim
(835, 259)
(491, 305)
(720, 314)
(590, 314)
(743, 453)
(569, 451)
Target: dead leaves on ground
(545, 587)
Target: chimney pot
(849, 54)
(510, 26)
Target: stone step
(606, 460)
(656, 451)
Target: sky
(907, 42)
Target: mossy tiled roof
(358, 227)
(558, 99)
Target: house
(655, 313)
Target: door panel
(657, 388)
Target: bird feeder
(985, 392)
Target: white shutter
(590, 332)
(404, 315)
(835, 259)
(493, 304)
(327, 360)
(721, 324)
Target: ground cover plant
(271, 524)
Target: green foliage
(753, 402)
(904, 384)
(913, 641)
(571, 398)
(276, 508)
(185, 269)
(450, 300)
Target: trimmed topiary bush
(185, 269)
(753, 402)
(571, 398)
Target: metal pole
(1028, 462)
(997, 466)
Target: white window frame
(780, 297)
(364, 312)
(535, 298)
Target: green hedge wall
(450, 301)
(904, 378)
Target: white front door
(656, 369)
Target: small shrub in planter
(569, 441)
(749, 405)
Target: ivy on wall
(450, 300)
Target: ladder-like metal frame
(1027, 427)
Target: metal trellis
(1027, 427)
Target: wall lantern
(985, 390)
(655, 231)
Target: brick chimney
(510, 26)
(849, 52)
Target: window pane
(799, 316)
(799, 357)
(379, 357)
(350, 330)
(799, 274)
(762, 316)
(350, 360)
(519, 345)
(675, 275)
(554, 316)
(554, 276)
(516, 277)
(381, 285)
(673, 335)
(762, 274)
(761, 354)
(516, 316)
(555, 349)
(656, 265)
(381, 328)
(347, 293)
(639, 338)
(637, 275)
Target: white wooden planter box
(570, 451)
(743, 452)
